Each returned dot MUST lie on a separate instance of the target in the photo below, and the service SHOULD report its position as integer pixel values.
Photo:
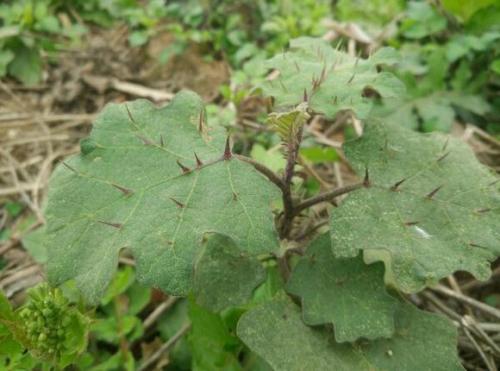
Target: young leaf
(431, 209)
(138, 184)
(224, 276)
(275, 331)
(331, 80)
(213, 347)
(288, 124)
(345, 292)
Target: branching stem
(271, 175)
(327, 196)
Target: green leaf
(464, 9)
(11, 321)
(435, 110)
(422, 20)
(431, 209)
(495, 66)
(485, 19)
(6, 312)
(342, 80)
(345, 292)
(272, 157)
(211, 343)
(379, 12)
(288, 124)
(126, 190)
(168, 325)
(112, 329)
(436, 113)
(138, 297)
(224, 276)
(26, 65)
(275, 331)
(318, 155)
(6, 56)
(122, 280)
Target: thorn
(227, 150)
(443, 156)
(493, 183)
(314, 83)
(323, 74)
(397, 184)
(408, 224)
(484, 210)
(179, 204)
(282, 85)
(366, 179)
(335, 100)
(445, 145)
(124, 190)
(235, 197)
(332, 67)
(201, 121)
(69, 167)
(352, 78)
(199, 163)
(129, 114)
(297, 66)
(146, 141)
(161, 141)
(306, 98)
(184, 169)
(433, 192)
(472, 244)
(114, 225)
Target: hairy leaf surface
(431, 209)
(275, 331)
(345, 292)
(331, 80)
(153, 181)
(224, 276)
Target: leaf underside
(275, 331)
(153, 181)
(331, 80)
(431, 208)
(224, 276)
(345, 292)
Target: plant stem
(288, 209)
(165, 347)
(271, 175)
(327, 196)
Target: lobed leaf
(275, 331)
(345, 292)
(224, 276)
(153, 181)
(330, 80)
(431, 208)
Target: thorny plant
(165, 186)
